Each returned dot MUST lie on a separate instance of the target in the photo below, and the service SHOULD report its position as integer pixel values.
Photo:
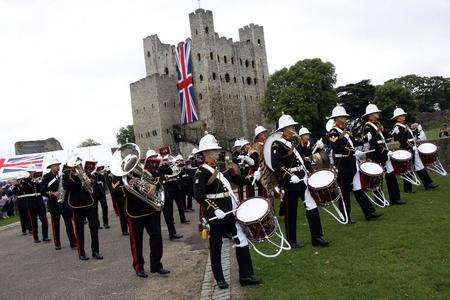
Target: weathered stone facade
(230, 79)
(38, 146)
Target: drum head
(427, 148)
(401, 155)
(371, 168)
(321, 179)
(252, 210)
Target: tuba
(77, 164)
(136, 180)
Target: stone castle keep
(230, 80)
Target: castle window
(253, 63)
(206, 29)
(155, 133)
(254, 81)
(201, 77)
(148, 53)
(214, 76)
(245, 97)
(248, 41)
(227, 77)
(174, 104)
(199, 56)
(218, 58)
(137, 111)
(211, 55)
(259, 42)
(249, 80)
(166, 70)
(263, 76)
(167, 130)
(165, 104)
(196, 31)
(246, 63)
(153, 105)
(220, 77)
(232, 60)
(144, 108)
(243, 79)
(234, 78)
(240, 60)
(224, 59)
(200, 96)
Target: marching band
(237, 193)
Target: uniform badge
(334, 138)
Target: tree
(355, 96)
(88, 142)
(125, 135)
(304, 91)
(391, 95)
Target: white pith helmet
(338, 111)
(285, 121)
(303, 131)
(150, 153)
(371, 109)
(398, 112)
(259, 129)
(208, 142)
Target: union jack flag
(188, 101)
(21, 163)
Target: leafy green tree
(391, 94)
(355, 96)
(305, 91)
(88, 142)
(125, 135)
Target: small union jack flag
(188, 101)
(21, 163)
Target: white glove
(390, 153)
(319, 144)
(219, 214)
(414, 148)
(249, 160)
(359, 153)
(257, 175)
(369, 136)
(294, 179)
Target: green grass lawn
(6, 221)
(405, 254)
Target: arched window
(148, 53)
(249, 80)
(254, 81)
(253, 63)
(246, 63)
(234, 79)
(200, 96)
(214, 76)
(259, 41)
(196, 31)
(227, 77)
(243, 79)
(206, 29)
(211, 55)
(218, 58)
(199, 57)
(201, 77)
(240, 60)
(166, 70)
(232, 60)
(225, 59)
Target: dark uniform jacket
(343, 151)
(28, 187)
(116, 189)
(135, 207)
(77, 196)
(98, 185)
(377, 142)
(404, 136)
(283, 158)
(46, 190)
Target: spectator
(443, 132)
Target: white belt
(341, 155)
(218, 196)
(296, 169)
(29, 195)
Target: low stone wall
(443, 149)
(433, 118)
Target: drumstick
(315, 147)
(365, 152)
(227, 213)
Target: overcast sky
(75, 59)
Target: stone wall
(37, 146)
(434, 118)
(443, 150)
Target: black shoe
(24, 233)
(83, 257)
(191, 209)
(295, 245)
(125, 233)
(73, 246)
(252, 280)
(57, 247)
(373, 216)
(320, 242)
(37, 241)
(142, 274)
(185, 221)
(350, 221)
(222, 285)
(107, 226)
(431, 186)
(176, 236)
(46, 240)
(97, 255)
(398, 202)
(161, 272)
(100, 227)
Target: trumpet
(136, 180)
(77, 164)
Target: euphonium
(77, 164)
(142, 184)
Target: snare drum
(323, 187)
(401, 162)
(427, 153)
(256, 219)
(371, 175)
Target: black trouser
(172, 192)
(345, 182)
(216, 233)
(290, 216)
(423, 176)
(79, 215)
(190, 196)
(122, 216)
(186, 196)
(25, 221)
(60, 210)
(152, 225)
(38, 211)
(104, 205)
(392, 187)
